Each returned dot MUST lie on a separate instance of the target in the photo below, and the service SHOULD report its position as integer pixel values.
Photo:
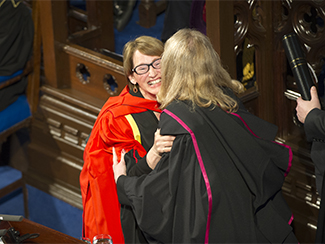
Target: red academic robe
(101, 213)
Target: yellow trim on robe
(134, 127)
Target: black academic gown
(221, 182)
(16, 43)
(147, 124)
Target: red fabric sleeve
(101, 213)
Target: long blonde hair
(192, 70)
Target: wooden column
(220, 30)
(54, 34)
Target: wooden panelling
(301, 194)
(58, 136)
(98, 67)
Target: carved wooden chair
(16, 181)
(15, 117)
(18, 114)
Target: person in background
(222, 180)
(177, 16)
(16, 50)
(128, 121)
(313, 117)
(182, 14)
(16, 46)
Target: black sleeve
(260, 127)
(315, 125)
(153, 196)
(122, 197)
(317, 156)
(136, 165)
(315, 131)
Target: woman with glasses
(129, 122)
(221, 181)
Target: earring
(135, 88)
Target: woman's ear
(132, 80)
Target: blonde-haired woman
(221, 182)
(193, 71)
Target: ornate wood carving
(252, 19)
(99, 67)
(306, 19)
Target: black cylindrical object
(298, 65)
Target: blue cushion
(8, 175)
(14, 113)
(8, 77)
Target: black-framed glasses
(141, 69)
